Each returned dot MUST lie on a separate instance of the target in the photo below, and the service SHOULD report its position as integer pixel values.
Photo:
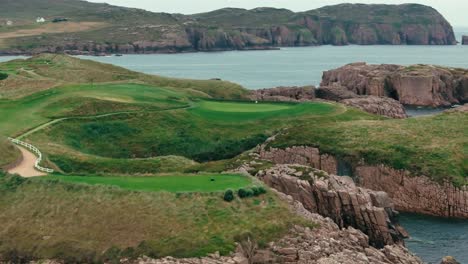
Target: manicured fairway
(170, 183)
(243, 107)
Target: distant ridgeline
(101, 28)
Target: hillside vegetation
(8, 153)
(84, 224)
(101, 28)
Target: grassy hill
(101, 28)
(8, 152)
(90, 224)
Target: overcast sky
(456, 11)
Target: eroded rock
(284, 94)
(417, 85)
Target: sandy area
(26, 167)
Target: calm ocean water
(432, 238)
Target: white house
(40, 20)
(9, 23)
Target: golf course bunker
(244, 107)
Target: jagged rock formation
(378, 105)
(417, 194)
(338, 198)
(417, 85)
(126, 30)
(326, 243)
(465, 40)
(284, 94)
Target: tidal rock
(449, 260)
(417, 85)
(284, 94)
(465, 40)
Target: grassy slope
(435, 146)
(8, 152)
(45, 71)
(79, 223)
(199, 133)
(169, 183)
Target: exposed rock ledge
(417, 85)
(372, 104)
(325, 244)
(465, 40)
(284, 94)
(417, 194)
(339, 199)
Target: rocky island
(104, 29)
(465, 40)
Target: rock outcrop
(449, 260)
(417, 194)
(284, 94)
(465, 40)
(378, 105)
(417, 85)
(338, 198)
(326, 243)
(230, 29)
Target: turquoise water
(432, 238)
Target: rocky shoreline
(415, 194)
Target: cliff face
(418, 85)
(125, 30)
(339, 199)
(417, 194)
(465, 40)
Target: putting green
(169, 183)
(241, 107)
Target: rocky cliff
(284, 94)
(326, 243)
(465, 40)
(338, 198)
(410, 193)
(417, 85)
(125, 30)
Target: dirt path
(26, 167)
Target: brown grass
(53, 28)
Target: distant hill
(101, 28)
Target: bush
(3, 76)
(228, 196)
(262, 190)
(250, 193)
(256, 191)
(242, 193)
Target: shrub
(256, 191)
(242, 193)
(262, 190)
(3, 76)
(228, 196)
(249, 193)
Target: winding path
(26, 167)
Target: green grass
(434, 146)
(197, 133)
(170, 183)
(50, 219)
